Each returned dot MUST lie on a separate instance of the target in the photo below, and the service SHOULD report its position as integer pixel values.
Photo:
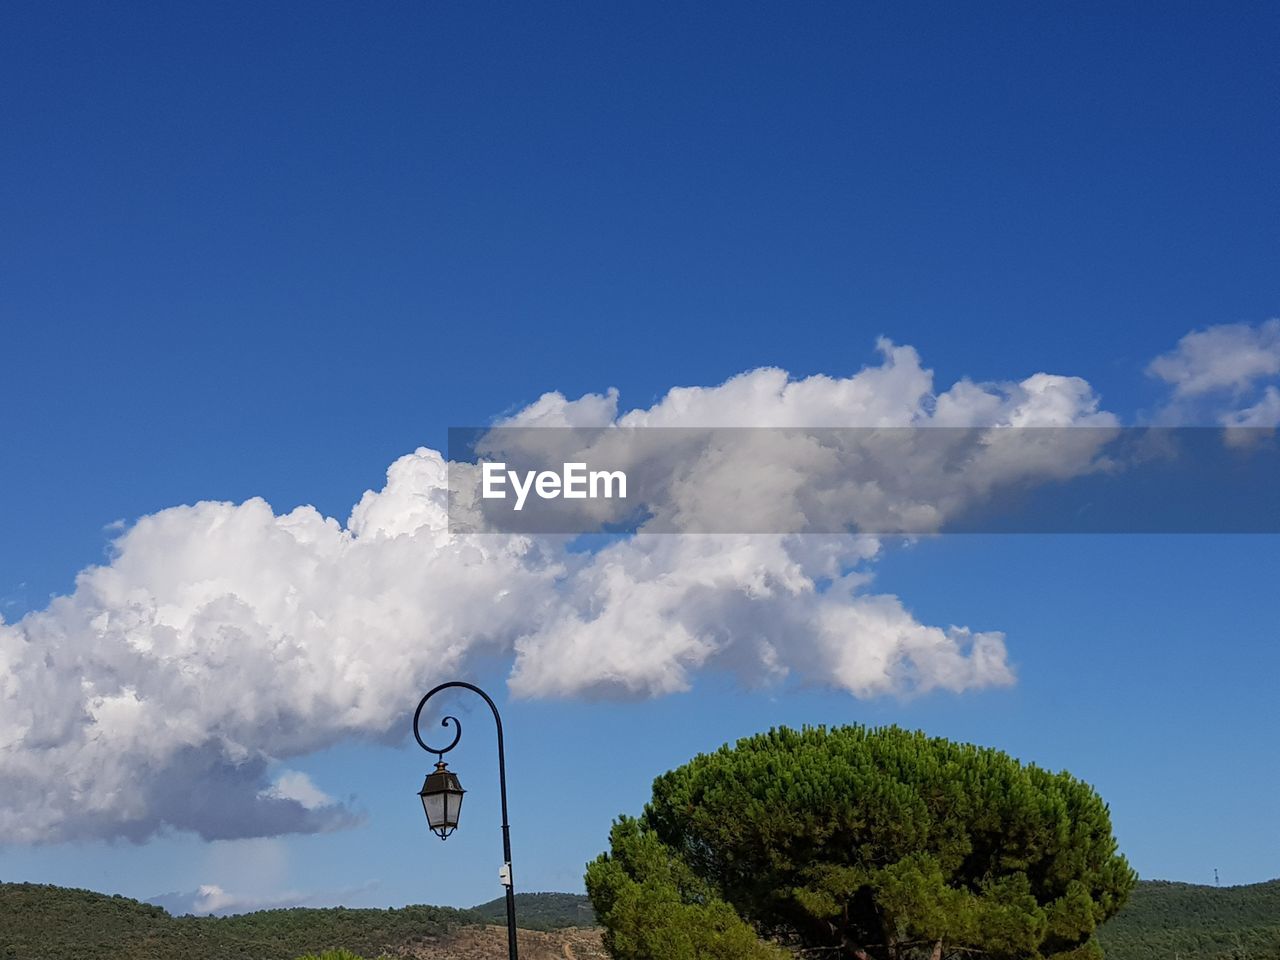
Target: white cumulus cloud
(1227, 374)
(223, 639)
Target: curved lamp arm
(502, 785)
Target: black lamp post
(441, 795)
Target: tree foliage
(652, 905)
(883, 845)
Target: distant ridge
(1162, 921)
(40, 922)
(542, 911)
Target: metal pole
(512, 952)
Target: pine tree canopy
(879, 844)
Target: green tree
(881, 845)
(652, 905)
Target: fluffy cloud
(1228, 374)
(647, 613)
(222, 639)
(1264, 413)
(801, 468)
(1224, 357)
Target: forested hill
(39, 922)
(1165, 921)
(542, 911)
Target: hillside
(39, 922)
(542, 911)
(1163, 921)
(489, 943)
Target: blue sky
(265, 253)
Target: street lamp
(441, 795)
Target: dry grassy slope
(485, 943)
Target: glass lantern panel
(433, 804)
